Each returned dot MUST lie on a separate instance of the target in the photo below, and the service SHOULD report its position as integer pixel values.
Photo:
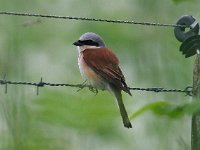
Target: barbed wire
(187, 90)
(91, 19)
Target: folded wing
(105, 63)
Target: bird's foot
(93, 89)
(82, 85)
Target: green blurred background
(62, 118)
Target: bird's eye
(90, 42)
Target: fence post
(195, 131)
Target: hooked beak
(78, 43)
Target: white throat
(82, 48)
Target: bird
(100, 67)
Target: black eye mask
(87, 42)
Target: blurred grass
(61, 118)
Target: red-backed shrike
(99, 65)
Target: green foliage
(168, 109)
(179, 1)
(81, 115)
(151, 106)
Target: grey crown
(94, 37)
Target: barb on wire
(6, 85)
(187, 90)
(90, 19)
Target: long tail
(125, 119)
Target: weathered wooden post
(195, 131)
(189, 47)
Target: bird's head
(89, 40)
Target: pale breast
(89, 74)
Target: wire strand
(91, 19)
(187, 90)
